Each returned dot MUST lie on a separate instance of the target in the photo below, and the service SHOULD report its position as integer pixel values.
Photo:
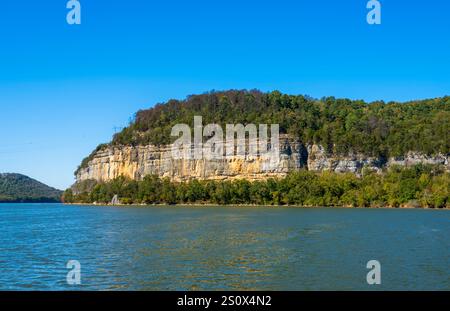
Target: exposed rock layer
(139, 161)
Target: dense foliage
(341, 125)
(19, 188)
(419, 186)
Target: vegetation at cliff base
(17, 188)
(418, 186)
(340, 125)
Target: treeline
(340, 125)
(418, 186)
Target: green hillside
(340, 125)
(17, 188)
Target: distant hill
(17, 188)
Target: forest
(340, 125)
(17, 188)
(418, 186)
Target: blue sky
(64, 88)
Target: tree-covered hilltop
(418, 186)
(17, 188)
(343, 125)
(340, 125)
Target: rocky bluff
(327, 134)
(138, 161)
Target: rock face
(139, 161)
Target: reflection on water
(176, 248)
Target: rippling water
(212, 248)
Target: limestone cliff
(138, 161)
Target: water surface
(222, 248)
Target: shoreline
(251, 205)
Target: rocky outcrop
(318, 160)
(138, 161)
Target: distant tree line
(418, 186)
(340, 125)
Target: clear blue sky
(64, 88)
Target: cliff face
(137, 162)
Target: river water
(222, 248)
